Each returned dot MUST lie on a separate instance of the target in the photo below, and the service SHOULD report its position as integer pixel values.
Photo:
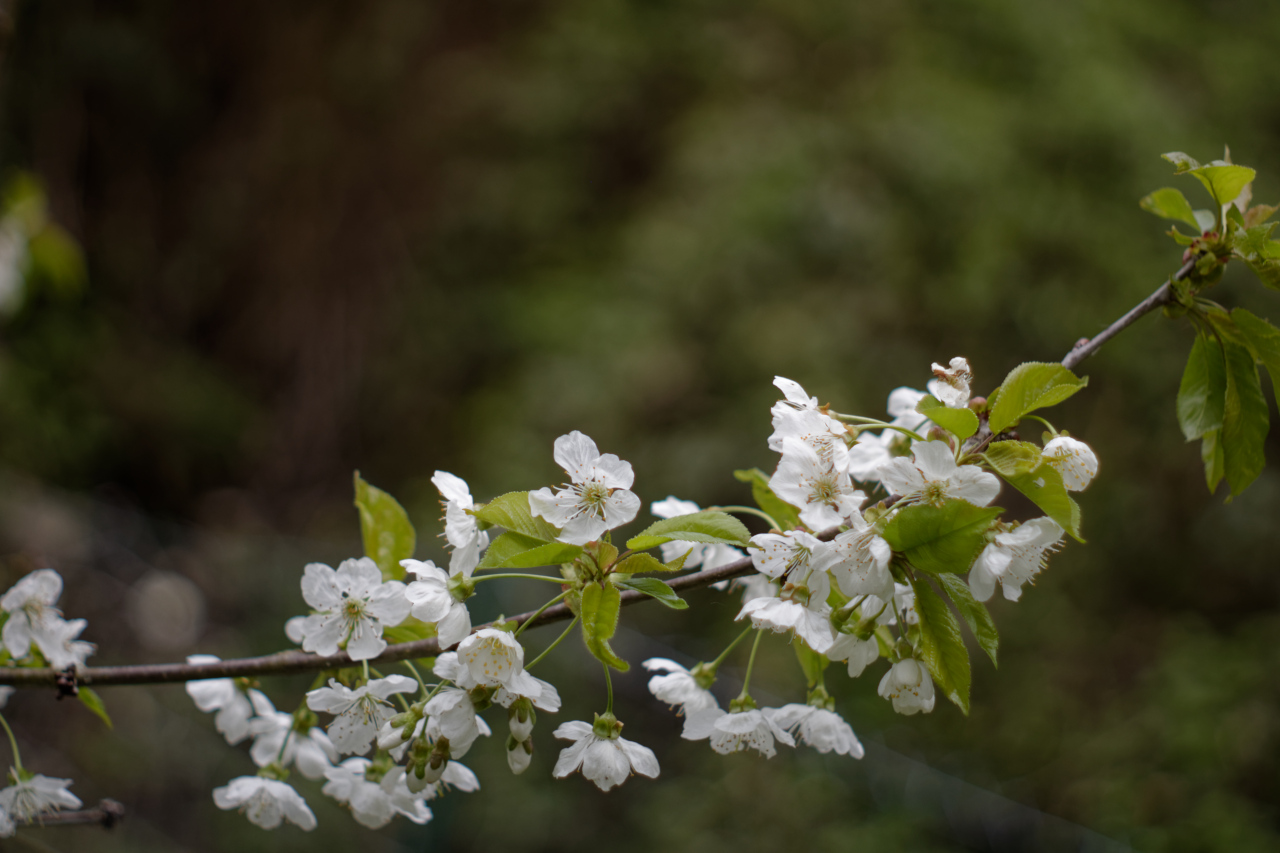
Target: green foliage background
(400, 236)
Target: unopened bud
(519, 754)
(390, 735)
(521, 717)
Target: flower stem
(526, 623)
(366, 671)
(13, 743)
(750, 510)
(1043, 421)
(283, 744)
(416, 675)
(608, 683)
(518, 575)
(548, 649)
(715, 664)
(854, 419)
(751, 663)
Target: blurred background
(401, 236)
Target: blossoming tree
(883, 538)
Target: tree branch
(1163, 296)
(107, 814)
(295, 661)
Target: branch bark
(107, 814)
(295, 661)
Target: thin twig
(1163, 296)
(107, 814)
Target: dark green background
(403, 236)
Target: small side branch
(1163, 296)
(107, 814)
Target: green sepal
(942, 647)
(974, 613)
(385, 528)
(511, 511)
(518, 551)
(705, 526)
(943, 538)
(787, 516)
(1169, 203)
(1031, 386)
(656, 589)
(811, 663)
(599, 610)
(1202, 393)
(93, 702)
(961, 423)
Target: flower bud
(519, 754)
(390, 735)
(520, 717)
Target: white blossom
(352, 607)
(857, 654)
(802, 610)
(359, 713)
(432, 602)
(792, 554)
(374, 801)
(823, 492)
(754, 729)
(33, 619)
(932, 476)
(597, 498)
(952, 383)
(266, 802)
(824, 730)
(800, 417)
(908, 685)
(494, 658)
(860, 564)
(1074, 460)
(1014, 558)
(604, 761)
(29, 798)
(676, 685)
(452, 714)
(6, 692)
(234, 702)
(461, 529)
(277, 739)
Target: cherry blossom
(461, 529)
(432, 600)
(597, 498)
(952, 383)
(823, 492)
(932, 476)
(266, 802)
(359, 713)
(908, 685)
(1014, 558)
(234, 702)
(604, 757)
(31, 796)
(676, 685)
(753, 729)
(1074, 460)
(352, 607)
(824, 730)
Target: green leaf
(1169, 203)
(705, 526)
(409, 630)
(941, 645)
(517, 551)
(1264, 341)
(1183, 162)
(1211, 455)
(811, 662)
(384, 526)
(1045, 489)
(655, 588)
(943, 538)
(1224, 181)
(975, 614)
(1202, 393)
(787, 516)
(1031, 386)
(1245, 419)
(961, 423)
(93, 702)
(1010, 458)
(599, 610)
(639, 563)
(511, 511)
